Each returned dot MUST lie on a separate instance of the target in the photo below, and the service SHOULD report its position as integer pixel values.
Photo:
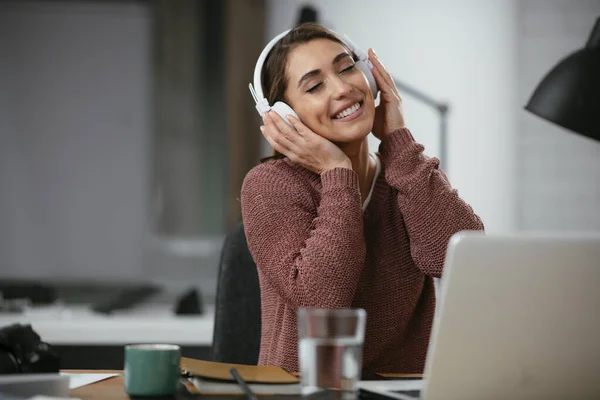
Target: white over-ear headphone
(281, 108)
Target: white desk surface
(78, 325)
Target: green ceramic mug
(151, 369)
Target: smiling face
(328, 92)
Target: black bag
(22, 351)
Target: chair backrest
(236, 337)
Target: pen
(236, 375)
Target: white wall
(461, 51)
(74, 133)
(559, 180)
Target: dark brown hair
(273, 75)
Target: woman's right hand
(301, 145)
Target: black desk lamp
(569, 95)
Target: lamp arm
(441, 107)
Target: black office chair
(236, 337)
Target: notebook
(209, 377)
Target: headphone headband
(258, 88)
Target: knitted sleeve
(311, 254)
(431, 208)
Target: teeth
(348, 111)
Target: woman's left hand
(388, 114)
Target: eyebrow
(315, 72)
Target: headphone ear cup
(366, 69)
(284, 110)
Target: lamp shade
(569, 95)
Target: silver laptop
(518, 318)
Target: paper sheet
(79, 380)
(392, 385)
(52, 398)
(408, 389)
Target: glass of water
(330, 349)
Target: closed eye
(312, 89)
(318, 85)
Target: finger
(266, 118)
(290, 133)
(378, 65)
(276, 145)
(387, 94)
(281, 138)
(380, 68)
(384, 85)
(299, 126)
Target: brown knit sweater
(314, 247)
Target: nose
(340, 88)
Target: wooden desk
(113, 388)
(109, 389)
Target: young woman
(331, 225)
